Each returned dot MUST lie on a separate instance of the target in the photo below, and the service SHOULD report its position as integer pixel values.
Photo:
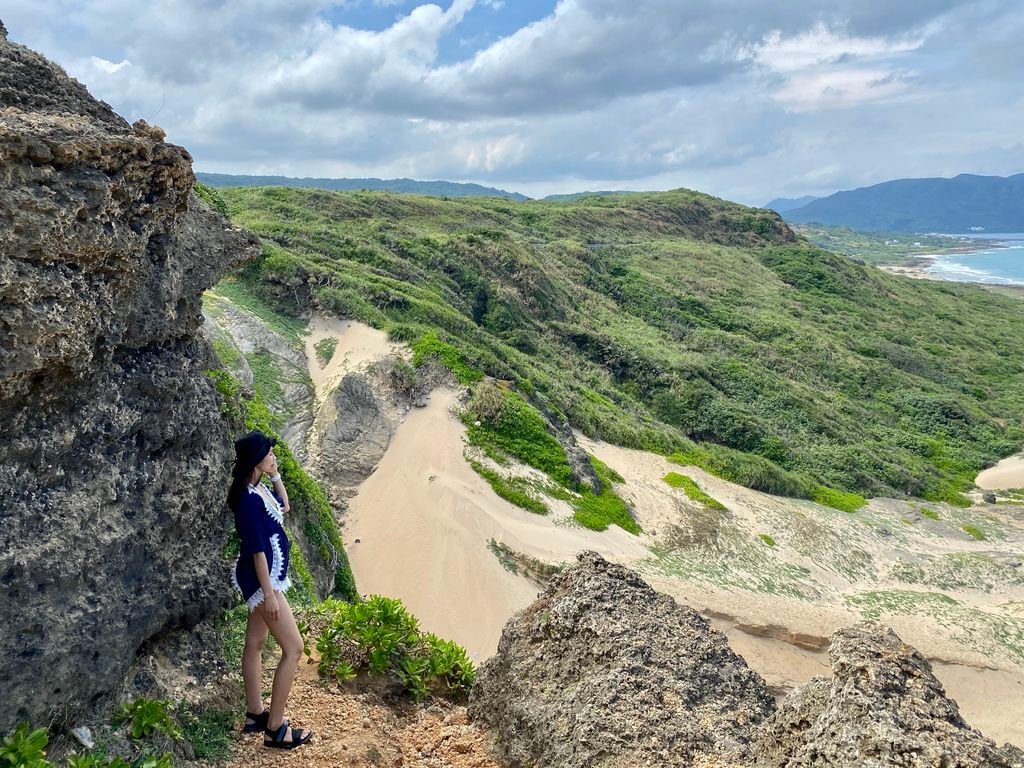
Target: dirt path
(353, 729)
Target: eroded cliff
(114, 452)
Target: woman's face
(269, 463)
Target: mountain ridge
(958, 204)
(437, 188)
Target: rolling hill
(674, 322)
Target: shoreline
(918, 267)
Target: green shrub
(974, 531)
(930, 513)
(146, 717)
(25, 748)
(598, 511)
(209, 731)
(325, 349)
(510, 490)
(518, 429)
(841, 500)
(692, 490)
(211, 197)
(381, 637)
(768, 540)
(430, 347)
(750, 470)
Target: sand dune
(1008, 473)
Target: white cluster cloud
(739, 97)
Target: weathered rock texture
(882, 707)
(114, 457)
(604, 671)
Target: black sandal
(259, 722)
(299, 737)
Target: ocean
(999, 260)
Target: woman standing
(261, 575)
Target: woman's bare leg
(256, 632)
(288, 638)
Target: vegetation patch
(500, 419)
(931, 514)
(512, 490)
(380, 637)
(598, 511)
(429, 347)
(521, 564)
(989, 633)
(768, 540)
(241, 294)
(974, 531)
(325, 350)
(688, 486)
(841, 500)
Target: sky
(744, 99)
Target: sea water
(999, 260)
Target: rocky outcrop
(352, 431)
(882, 707)
(604, 671)
(114, 458)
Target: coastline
(937, 267)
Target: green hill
(653, 320)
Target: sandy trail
(1008, 473)
(423, 521)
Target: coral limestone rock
(114, 454)
(883, 707)
(604, 671)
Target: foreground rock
(114, 456)
(604, 671)
(882, 707)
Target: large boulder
(115, 458)
(603, 671)
(883, 707)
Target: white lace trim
(278, 565)
(257, 596)
(273, 509)
(279, 582)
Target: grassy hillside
(649, 320)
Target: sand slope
(1007, 474)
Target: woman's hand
(271, 608)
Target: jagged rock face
(604, 671)
(353, 432)
(882, 707)
(114, 459)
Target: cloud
(742, 98)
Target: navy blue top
(260, 526)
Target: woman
(261, 575)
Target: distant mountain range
(961, 204)
(411, 186)
(783, 204)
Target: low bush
(510, 490)
(380, 637)
(688, 486)
(599, 510)
(841, 500)
(973, 530)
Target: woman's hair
(239, 483)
